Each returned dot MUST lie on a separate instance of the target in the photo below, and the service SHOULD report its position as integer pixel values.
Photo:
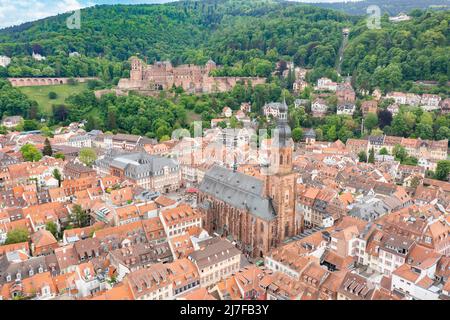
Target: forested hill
(400, 53)
(247, 37)
(231, 32)
(391, 7)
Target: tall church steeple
(281, 157)
(281, 183)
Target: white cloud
(14, 12)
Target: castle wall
(28, 82)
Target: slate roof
(238, 190)
(138, 164)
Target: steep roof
(238, 190)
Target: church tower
(281, 155)
(281, 180)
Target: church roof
(238, 190)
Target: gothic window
(281, 159)
(262, 227)
(286, 230)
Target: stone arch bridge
(28, 82)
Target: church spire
(283, 131)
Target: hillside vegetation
(399, 53)
(246, 36)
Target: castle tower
(137, 69)
(281, 182)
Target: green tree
(57, 175)
(331, 133)
(377, 132)
(47, 151)
(399, 152)
(443, 133)
(78, 217)
(424, 131)
(112, 118)
(164, 138)
(222, 124)
(52, 95)
(16, 236)
(297, 134)
(411, 161)
(60, 155)
(371, 156)
(383, 152)
(319, 134)
(87, 156)
(30, 125)
(362, 156)
(234, 123)
(51, 226)
(442, 170)
(30, 153)
(370, 121)
(426, 118)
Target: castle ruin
(192, 78)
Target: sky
(15, 12)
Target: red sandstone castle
(192, 78)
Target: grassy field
(40, 94)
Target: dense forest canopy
(392, 7)
(246, 36)
(399, 53)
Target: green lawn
(40, 94)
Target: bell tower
(281, 180)
(281, 155)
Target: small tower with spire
(281, 156)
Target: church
(258, 214)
